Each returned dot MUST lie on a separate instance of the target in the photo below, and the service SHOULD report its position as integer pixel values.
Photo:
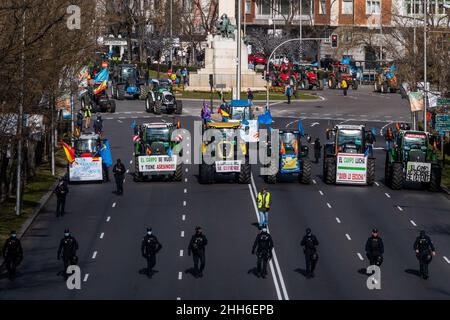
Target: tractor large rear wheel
(305, 175)
(143, 92)
(329, 173)
(272, 177)
(245, 174)
(387, 171)
(370, 171)
(397, 177)
(157, 107)
(120, 92)
(435, 178)
(178, 176)
(178, 107)
(206, 173)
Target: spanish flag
(69, 151)
(103, 86)
(283, 149)
(223, 113)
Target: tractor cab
(414, 145)
(87, 144)
(241, 112)
(155, 138)
(350, 139)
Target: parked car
(257, 58)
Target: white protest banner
(157, 163)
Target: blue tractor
(293, 158)
(127, 83)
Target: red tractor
(341, 72)
(309, 79)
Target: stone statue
(224, 27)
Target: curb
(445, 189)
(27, 224)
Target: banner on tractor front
(418, 171)
(289, 163)
(86, 169)
(351, 168)
(228, 166)
(157, 163)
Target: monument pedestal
(220, 60)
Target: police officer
(310, 242)
(264, 203)
(424, 251)
(13, 254)
(149, 248)
(61, 192)
(375, 248)
(263, 245)
(98, 125)
(119, 175)
(197, 248)
(67, 249)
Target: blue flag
(374, 132)
(300, 128)
(265, 118)
(133, 124)
(102, 76)
(345, 60)
(105, 153)
(170, 152)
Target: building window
(373, 6)
(285, 7)
(264, 7)
(248, 7)
(347, 6)
(415, 7)
(322, 7)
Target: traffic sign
(442, 123)
(441, 102)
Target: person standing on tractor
(317, 150)
(13, 254)
(375, 249)
(389, 137)
(263, 246)
(88, 115)
(264, 203)
(344, 86)
(149, 248)
(310, 242)
(424, 248)
(288, 93)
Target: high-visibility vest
(88, 112)
(266, 200)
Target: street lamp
(171, 33)
(425, 93)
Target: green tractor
(346, 160)
(293, 158)
(226, 154)
(155, 152)
(161, 97)
(412, 160)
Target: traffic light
(334, 40)
(211, 80)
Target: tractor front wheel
(305, 175)
(157, 107)
(245, 174)
(397, 177)
(370, 171)
(178, 176)
(329, 173)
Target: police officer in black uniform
(68, 248)
(375, 248)
(13, 254)
(424, 251)
(119, 175)
(310, 242)
(197, 248)
(149, 248)
(263, 245)
(61, 192)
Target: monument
(221, 57)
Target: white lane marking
(381, 130)
(128, 170)
(181, 253)
(86, 276)
(377, 184)
(185, 180)
(387, 195)
(185, 190)
(446, 260)
(182, 234)
(291, 123)
(360, 256)
(413, 223)
(315, 124)
(321, 193)
(399, 208)
(183, 217)
(102, 235)
(275, 260)
(314, 181)
(178, 298)
(180, 275)
(187, 170)
(131, 161)
(348, 236)
(122, 118)
(329, 205)
(114, 205)
(338, 220)
(188, 145)
(187, 152)
(347, 119)
(94, 255)
(277, 288)
(184, 203)
(119, 121)
(108, 219)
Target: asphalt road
(109, 228)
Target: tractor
(229, 155)
(161, 96)
(88, 164)
(346, 160)
(293, 158)
(100, 102)
(412, 159)
(386, 81)
(241, 112)
(341, 72)
(309, 79)
(127, 83)
(156, 154)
